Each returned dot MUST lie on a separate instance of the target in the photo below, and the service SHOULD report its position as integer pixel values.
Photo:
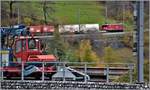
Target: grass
(65, 12)
(80, 12)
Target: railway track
(84, 35)
(79, 35)
(108, 34)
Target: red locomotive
(112, 27)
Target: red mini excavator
(25, 50)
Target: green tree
(85, 52)
(71, 55)
(58, 46)
(110, 55)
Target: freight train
(76, 28)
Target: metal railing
(21, 67)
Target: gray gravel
(68, 85)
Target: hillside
(69, 12)
(60, 12)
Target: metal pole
(2, 72)
(135, 29)
(1, 53)
(64, 71)
(42, 71)
(22, 70)
(85, 71)
(140, 25)
(123, 6)
(1, 60)
(107, 74)
(79, 18)
(18, 14)
(1, 63)
(106, 12)
(130, 74)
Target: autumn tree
(85, 52)
(27, 21)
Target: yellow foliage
(85, 52)
(27, 21)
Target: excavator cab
(29, 49)
(26, 46)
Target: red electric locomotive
(112, 27)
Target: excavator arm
(8, 34)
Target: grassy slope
(67, 12)
(78, 12)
